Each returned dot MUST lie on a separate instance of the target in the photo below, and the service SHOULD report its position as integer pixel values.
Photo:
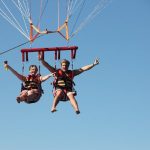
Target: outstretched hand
(96, 62)
(53, 74)
(5, 64)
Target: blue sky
(113, 97)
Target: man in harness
(31, 90)
(63, 83)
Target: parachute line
(23, 9)
(42, 11)
(97, 9)
(11, 49)
(24, 17)
(74, 6)
(58, 5)
(83, 4)
(14, 22)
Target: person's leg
(56, 100)
(74, 103)
(23, 96)
(33, 96)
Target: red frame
(56, 49)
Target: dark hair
(65, 61)
(31, 66)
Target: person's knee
(59, 92)
(24, 92)
(71, 96)
(33, 97)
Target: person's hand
(6, 65)
(96, 62)
(41, 56)
(53, 74)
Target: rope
(23, 8)
(81, 9)
(42, 12)
(73, 6)
(22, 75)
(30, 8)
(11, 19)
(26, 7)
(58, 13)
(11, 49)
(22, 68)
(97, 9)
(24, 16)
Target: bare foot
(53, 110)
(18, 99)
(77, 112)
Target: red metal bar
(58, 54)
(74, 54)
(55, 55)
(43, 55)
(27, 56)
(71, 54)
(50, 49)
(22, 56)
(55, 49)
(39, 53)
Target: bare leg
(22, 97)
(56, 100)
(33, 95)
(74, 103)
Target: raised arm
(45, 64)
(85, 68)
(19, 76)
(49, 67)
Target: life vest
(64, 79)
(32, 82)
